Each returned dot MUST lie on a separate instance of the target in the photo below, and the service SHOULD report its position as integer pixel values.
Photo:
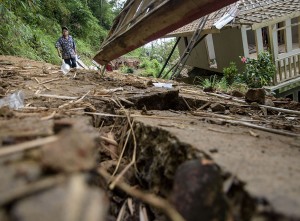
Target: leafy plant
(230, 73)
(222, 85)
(258, 73)
(209, 83)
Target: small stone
(255, 95)
(216, 107)
(236, 93)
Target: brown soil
(235, 171)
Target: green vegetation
(153, 57)
(258, 72)
(30, 28)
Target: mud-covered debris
(6, 112)
(157, 99)
(2, 92)
(74, 200)
(269, 102)
(74, 151)
(197, 192)
(255, 95)
(216, 107)
(236, 93)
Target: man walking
(66, 48)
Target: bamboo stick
(7, 150)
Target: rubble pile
(86, 147)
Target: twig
(281, 109)
(7, 197)
(110, 141)
(186, 103)
(133, 160)
(36, 80)
(56, 96)
(74, 102)
(49, 117)
(55, 79)
(262, 128)
(204, 106)
(148, 198)
(122, 153)
(26, 145)
(104, 114)
(122, 212)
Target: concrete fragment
(255, 95)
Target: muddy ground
(210, 156)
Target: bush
(230, 73)
(151, 68)
(260, 72)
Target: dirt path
(73, 125)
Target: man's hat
(64, 28)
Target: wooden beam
(210, 48)
(259, 41)
(273, 39)
(169, 16)
(288, 36)
(245, 41)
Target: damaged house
(246, 28)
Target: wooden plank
(280, 70)
(288, 36)
(277, 72)
(284, 69)
(259, 41)
(162, 20)
(295, 65)
(290, 67)
(245, 41)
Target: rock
(255, 95)
(197, 192)
(236, 93)
(216, 107)
(74, 200)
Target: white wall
(228, 47)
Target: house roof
(255, 13)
